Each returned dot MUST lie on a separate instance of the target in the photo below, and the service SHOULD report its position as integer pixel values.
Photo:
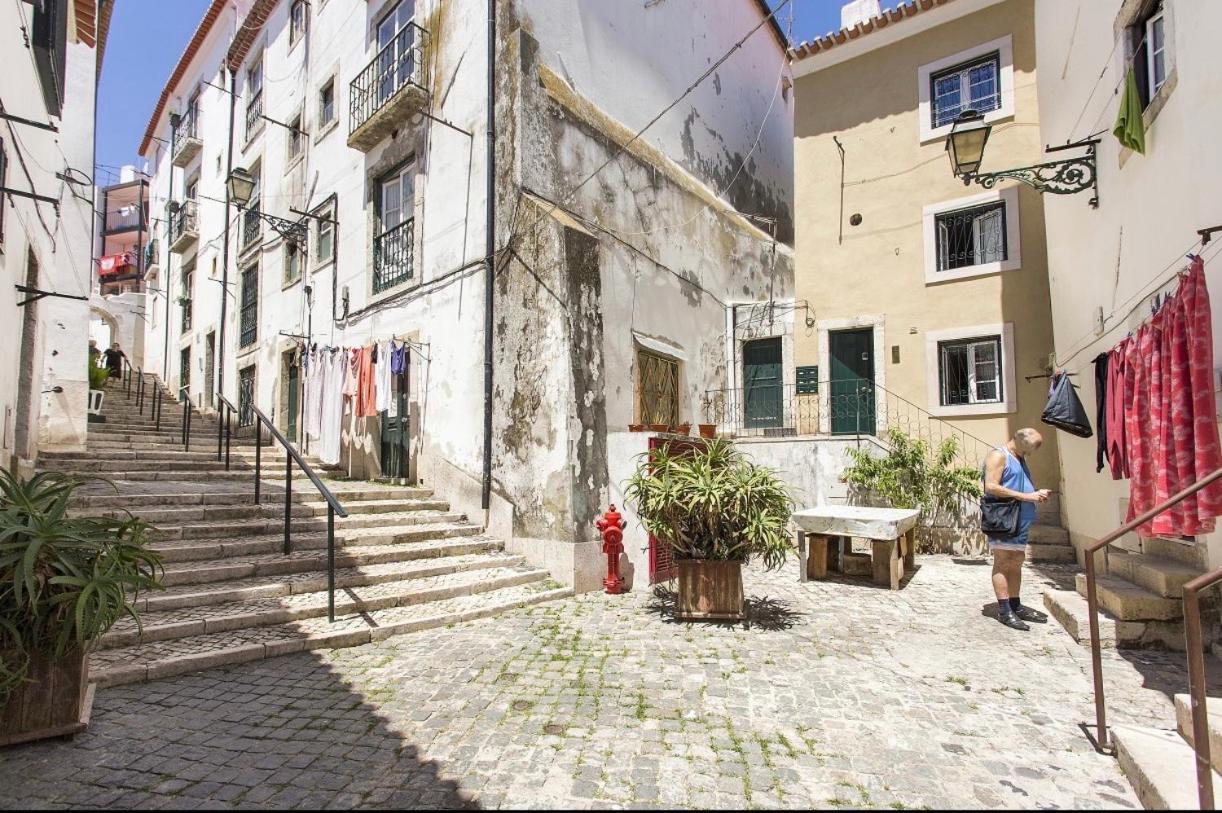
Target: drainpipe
(165, 283)
(490, 255)
(220, 358)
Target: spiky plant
(64, 580)
(709, 502)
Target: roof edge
(889, 16)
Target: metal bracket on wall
(35, 294)
(1066, 177)
(21, 193)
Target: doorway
(209, 364)
(763, 383)
(851, 392)
(291, 399)
(396, 425)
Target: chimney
(858, 11)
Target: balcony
(184, 227)
(392, 256)
(123, 219)
(389, 90)
(252, 226)
(187, 143)
(152, 255)
(254, 116)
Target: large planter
(710, 590)
(55, 702)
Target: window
(246, 395)
(249, 310)
(393, 248)
(294, 259)
(252, 224)
(254, 96)
(193, 188)
(1151, 61)
(324, 241)
(186, 299)
(298, 21)
(974, 86)
(657, 389)
(326, 104)
(396, 49)
(296, 139)
(972, 236)
(969, 371)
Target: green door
(762, 384)
(294, 390)
(851, 385)
(395, 434)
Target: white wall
(1117, 256)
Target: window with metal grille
(246, 395)
(254, 96)
(186, 300)
(657, 392)
(974, 85)
(393, 249)
(970, 371)
(249, 310)
(974, 236)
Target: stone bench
(827, 530)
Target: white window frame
(303, 256)
(1014, 255)
(324, 122)
(933, 370)
(297, 32)
(297, 133)
(1155, 86)
(327, 210)
(1004, 47)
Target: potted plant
(682, 429)
(64, 581)
(708, 430)
(716, 510)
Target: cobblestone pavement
(836, 694)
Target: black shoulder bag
(1000, 516)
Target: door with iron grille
(396, 423)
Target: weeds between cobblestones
(834, 695)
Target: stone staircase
(404, 560)
(1140, 596)
(1047, 540)
(1161, 764)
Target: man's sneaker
(1025, 613)
(1012, 621)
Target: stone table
(891, 531)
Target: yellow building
(930, 295)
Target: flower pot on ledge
(636, 427)
(708, 430)
(710, 590)
(659, 427)
(682, 429)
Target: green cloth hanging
(1130, 130)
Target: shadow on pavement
(762, 612)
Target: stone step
(1185, 551)
(270, 508)
(263, 587)
(169, 454)
(1070, 611)
(1048, 535)
(163, 659)
(105, 466)
(166, 625)
(173, 493)
(1037, 552)
(239, 470)
(1160, 766)
(1129, 602)
(1166, 577)
(265, 557)
(245, 528)
(1183, 717)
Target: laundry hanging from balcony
(112, 265)
(1161, 420)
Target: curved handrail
(1092, 596)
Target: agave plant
(710, 502)
(64, 580)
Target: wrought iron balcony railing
(151, 255)
(254, 114)
(186, 130)
(398, 65)
(183, 221)
(252, 225)
(392, 256)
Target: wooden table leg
(886, 561)
(802, 557)
(910, 551)
(818, 557)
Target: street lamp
(241, 186)
(965, 146)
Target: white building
(54, 51)
(617, 270)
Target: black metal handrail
(398, 64)
(184, 395)
(291, 455)
(128, 373)
(393, 250)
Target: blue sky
(148, 36)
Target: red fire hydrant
(612, 527)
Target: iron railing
(254, 114)
(1192, 619)
(125, 218)
(393, 251)
(183, 220)
(252, 224)
(186, 129)
(1196, 684)
(151, 256)
(399, 64)
(849, 408)
(291, 455)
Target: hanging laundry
(314, 393)
(366, 405)
(1170, 423)
(352, 359)
(398, 360)
(1130, 129)
(382, 369)
(332, 368)
(1118, 395)
(1064, 410)
(1101, 372)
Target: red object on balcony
(611, 524)
(112, 265)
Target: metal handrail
(1196, 684)
(128, 372)
(184, 394)
(1092, 601)
(291, 455)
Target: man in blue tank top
(1006, 477)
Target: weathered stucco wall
(889, 176)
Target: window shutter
(943, 246)
(987, 236)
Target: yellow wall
(870, 104)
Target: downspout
(220, 358)
(490, 255)
(165, 283)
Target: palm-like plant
(64, 580)
(914, 475)
(710, 502)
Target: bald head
(1028, 440)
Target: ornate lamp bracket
(295, 231)
(1065, 177)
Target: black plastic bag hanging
(1064, 410)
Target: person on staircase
(114, 356)
(1006, 477)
